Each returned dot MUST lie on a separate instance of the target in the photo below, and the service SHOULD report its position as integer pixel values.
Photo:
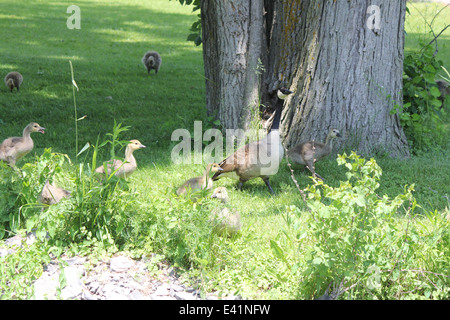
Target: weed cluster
(350, 240)
(422, 115)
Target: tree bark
(232, 44)
(343, 61)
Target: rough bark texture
(348, 77)
(345, 75)
(232, 44)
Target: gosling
(123, 169)
(52, 194)
(152, 60)
(13, 80)
(307, 153)
(203, 182)
(14, 148)
(225, 221)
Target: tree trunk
(347, 76)
(232, 44)
(343, 59)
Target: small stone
(45, 287)
(115, 296)
(162, 290)
(74, 287)
(120, 264)
(93, 286)
(176, 288)
(75, 260)
(184, 296)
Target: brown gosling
(52, 194)
(199, 183)
(307, 153)
(14, 148)
(152, 60)
(246, 162)
(13, 80)
(123, 169)
(226, 221)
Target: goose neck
(129, 155)
(27, 133)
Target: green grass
(114, 85)
(417, 26)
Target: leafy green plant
(352, 241)
(421, 113)
(99, 208)
(20, 189)
(18, 271)
(196, 28)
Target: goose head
(10, 84)
(282, 93)
(221, 194)
(214, 167)
(135, 145)
(34, 127)
(334, 133)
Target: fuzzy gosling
(226, 221)
(152, 60)
(13, 80)
(123, 169)
(14, 148)
(52, 194)
(199, 183)
(307, 153)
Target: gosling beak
(286, 91)
(219, 169)
(213, 196)
(338, 135)
(41, 130)
(142, 146)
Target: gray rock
(163, 290)
(74, 286)
(121, 278)
(182, 295)
(45, 287)
(120, 264)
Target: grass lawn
(114, 86)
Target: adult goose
(126, 168)
(258, 158)
(14, 148)
(309, 152)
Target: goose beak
(41, 130)
(286, 91)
